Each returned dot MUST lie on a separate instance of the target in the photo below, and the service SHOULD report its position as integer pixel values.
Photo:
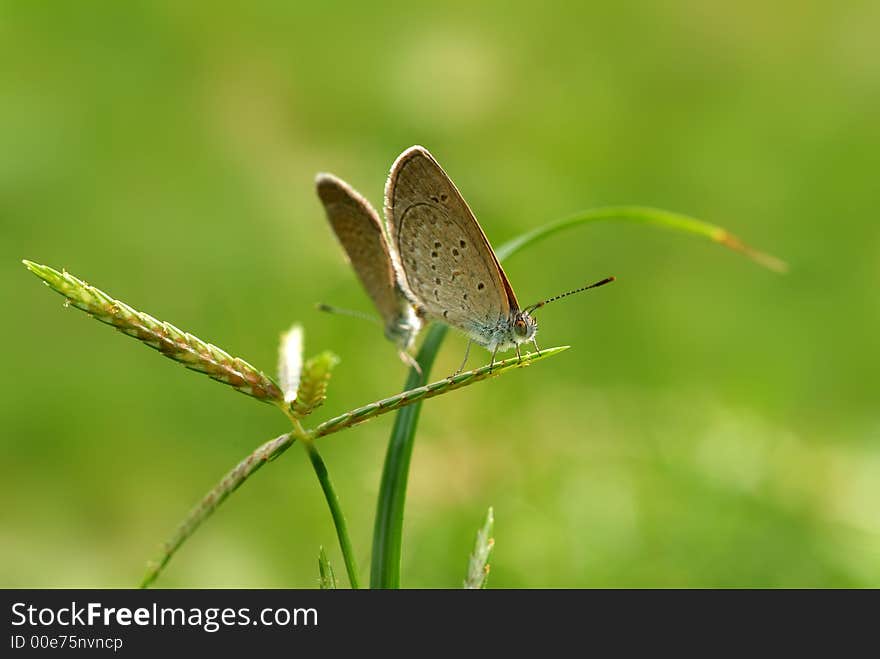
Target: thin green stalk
(388, 530)
(335, 510)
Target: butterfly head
(523, 327)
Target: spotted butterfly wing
(359, 230)
(447, 266)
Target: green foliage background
(713, 425)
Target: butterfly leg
(492, 363)
(518, 354)
(535, 343)
(410, 361)
(467, 352)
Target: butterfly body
(404, 327)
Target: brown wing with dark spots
(448, 264)
(359, 230)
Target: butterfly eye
(519, 326)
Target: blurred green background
(714, 424)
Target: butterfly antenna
(347, 312)
(540, 304)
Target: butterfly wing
(358, 228)
(448, 266)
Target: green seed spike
(172, 342)
(478, 563)
(327, 576)
(386, 405)
(212, 500)
(312, 391)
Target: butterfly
(445, 265)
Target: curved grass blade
(388, 528)
(209, 503)
(478, 563)
(176, 344)
(645, 215)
